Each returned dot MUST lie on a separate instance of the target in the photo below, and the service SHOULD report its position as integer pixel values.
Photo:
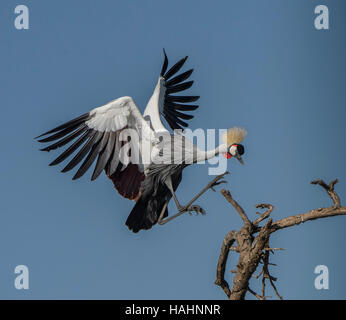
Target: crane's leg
(170, 187)
(162, 221)
(188, 207)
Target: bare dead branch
(330, 190)
(260, 242)
(256, 294)
(267, 275)
(264, 215)
(221, 266)
(236, 206)
(275, 290)
(258, 275)
(311, 215)
(335, 210)
(254, 250)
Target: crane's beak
(239, 158)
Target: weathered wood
(252, 243)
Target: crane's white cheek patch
(232, 150)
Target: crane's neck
(206, 155)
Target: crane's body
(147, 167)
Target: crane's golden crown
(234, 135)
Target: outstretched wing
(171, 107)
(97, 134)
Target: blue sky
(262, 66)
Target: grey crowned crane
(99, 135)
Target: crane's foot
(216, 181)
(195, 208)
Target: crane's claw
(197, 209)
(217, 181)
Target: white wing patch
(111, 117)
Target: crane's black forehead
(240, 149)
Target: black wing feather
(178, 114)
(180, 78)
(91, 156)
(165, 64)
(182, 98)
(172, 71)
(84, 117)
(179, 87)
(104, 156)
(181, 107)
(65, 140)
(113, 161)
(94, 138)
(175, 119)
(72, 148)
(176, 84)
(172, 124)
(61, 133)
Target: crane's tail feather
(145, 214)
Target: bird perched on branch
(141, 157)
